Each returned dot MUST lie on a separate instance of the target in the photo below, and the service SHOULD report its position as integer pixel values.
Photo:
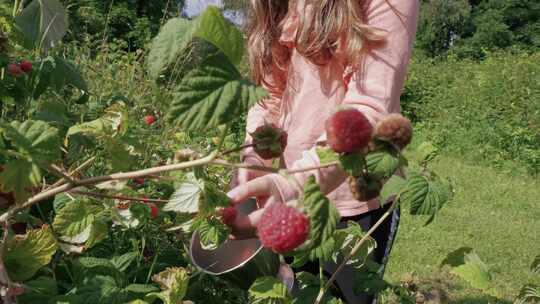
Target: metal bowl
(240, 261)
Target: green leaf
(19, 176)
(269, 288)
(122, 156)
(368, 279)
(535, 266)
(40, 290)
(177, 34)
(141, 288)
(426, 196)
(323, 216)
(346, 239)
(93, 262)
(212, 232)
(42, 22)
(474, 271)
(529, 294)
(74, 219)
(110, 126)
(173, 283)
(427, 152)
(211, 95)
(34, 139)
(383, 163)
(327, 155)
(392, 188)
(353, 163)
(66, 73)
(122, 262)
(308, 289)
(213, 198)
(186, 198)
(25, 255)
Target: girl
(311, 56)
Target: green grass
(494, 213)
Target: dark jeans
(384, 235)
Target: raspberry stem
(355, 250)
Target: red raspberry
(283, 228)
(348, 131)
(396, 129)
(154, 211)
(14, 69)
(139, 181)
(149, 120)
(228, 215)
(26, 66)
(269, 141)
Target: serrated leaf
(25, 255)
(529, 294)
(353, 163)
(122, 262)
(42, 22)
(308, 289)
(393, 187)
(345, 241)
(269, 288)
(19, 177)
(427, 151)
(173, 283)
(212, 232)
(211, 95)
(474, 271)
(323, 216)
(141, 288)
(425, 196)
(213, 198)
(327, 155)
(36, 140)
(122, 156)
(368, 279)
(74, 219)
(93, 262)
(186, 198)
(60, 201)
(178, 33)
(383, 163)
(65, 73)
(535, 266)
(40, 290)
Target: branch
(60, 173)
(354, 251)
(122, 198)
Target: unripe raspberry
(154, 211)
(149, 120)
(364, 188)
(228, 215)
(282, 228)
(269, 141)
(348, 131)
(14, 70)
(396, 129)
(26, 66)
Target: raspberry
(269, 141)
(19, 228)
(364, 188)
(139, 181)
(348, 131)
(283, 228)
(26, 66)
(396, 129)
(154, 211)
(14, 69)
(149, 120)
(228, 215)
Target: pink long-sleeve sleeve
(374, 88)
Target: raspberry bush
(97, 206)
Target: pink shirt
(313, 92)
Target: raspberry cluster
(283, 228)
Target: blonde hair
(330, 26)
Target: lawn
(494, 213)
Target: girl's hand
(266, 190)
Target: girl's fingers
(258, 187)
(244, 226)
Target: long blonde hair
(321, 33)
